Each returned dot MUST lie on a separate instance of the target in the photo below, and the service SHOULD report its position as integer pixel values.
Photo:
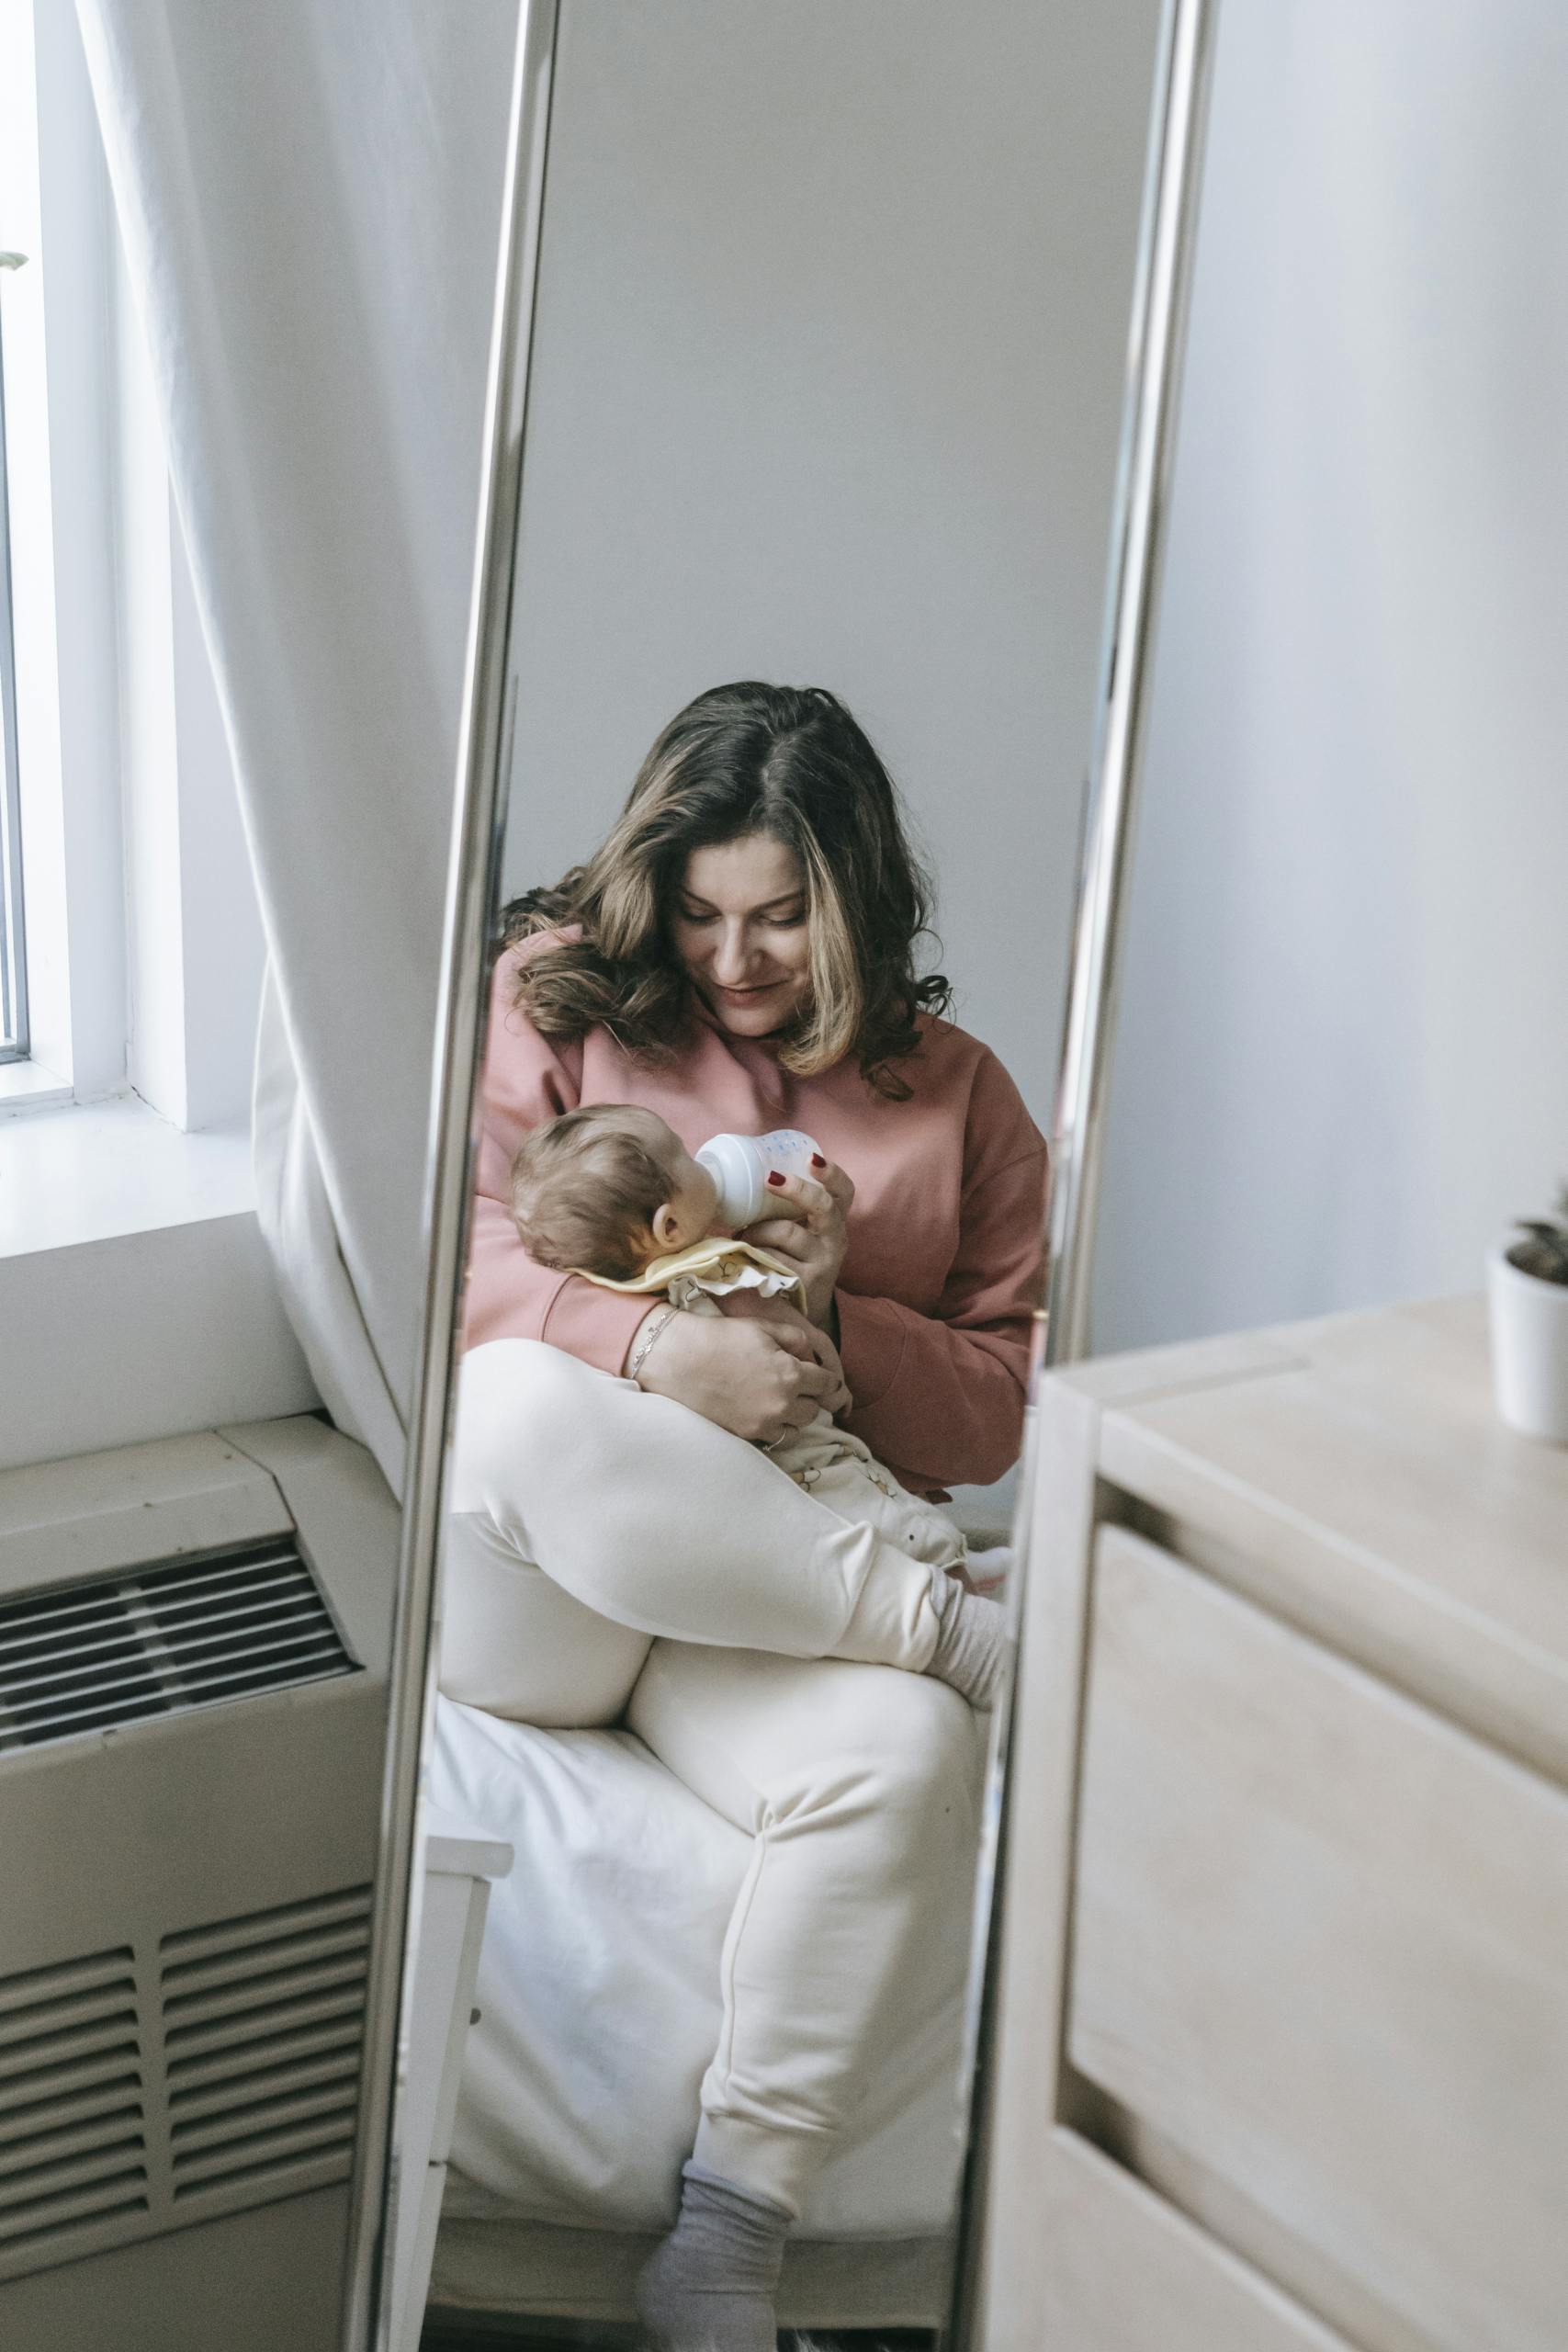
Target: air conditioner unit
(194, 1639)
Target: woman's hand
(759, 1375)
(749, 1306)
(808, 1230)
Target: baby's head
(605, 1189)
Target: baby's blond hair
(587, 1185)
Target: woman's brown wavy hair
(786, 761)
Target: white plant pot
(1530, 1348)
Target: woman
(739, 954)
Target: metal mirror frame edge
(478, 821)
(1161, 289)
(1157, 345)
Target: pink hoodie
(943, 1266)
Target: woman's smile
(761, 987)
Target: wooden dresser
(1281, 2042)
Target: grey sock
(971, 1649)
(710, 2286)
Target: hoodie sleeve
(940, 1397)
(525, 1080)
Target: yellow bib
(723, 1261)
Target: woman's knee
(922, 1747)
(508, 1383)
(905, 1789)
(521, 1407)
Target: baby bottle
(740, 1165)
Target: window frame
(54, 206)
(14, 1033)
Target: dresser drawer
(1320, 1943)
(1128, 2273)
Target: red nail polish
(774, 1177)
(818, 1160)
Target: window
(13, 944)
(123, 871)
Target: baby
(610, 1191)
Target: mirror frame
(1162, 289)
(483, 761)
(1139, 530)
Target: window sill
(93, 1171)
(136, 1293)
(27, 1086)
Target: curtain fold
(309, 195)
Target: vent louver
(73, 2136)
(261, 2022)
(83, 1656)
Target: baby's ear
(666, 1225)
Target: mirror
(806, 443)
(824, 402)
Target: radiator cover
(193, 1654)
(233, 1623)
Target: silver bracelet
(641, 1354)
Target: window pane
(13, 969)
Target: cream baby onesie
(825, 1460)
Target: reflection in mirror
(824, 399)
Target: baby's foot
(989, 1571)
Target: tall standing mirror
(816, 354)
(505, 1616)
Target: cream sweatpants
(610, 1554)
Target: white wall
(832, 328)
(1344, 1047)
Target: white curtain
(1341, 1067)
(309, 192)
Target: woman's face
(740, 928)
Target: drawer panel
(1321, 1943)
(1127, 2273)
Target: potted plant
(1529, 1287)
